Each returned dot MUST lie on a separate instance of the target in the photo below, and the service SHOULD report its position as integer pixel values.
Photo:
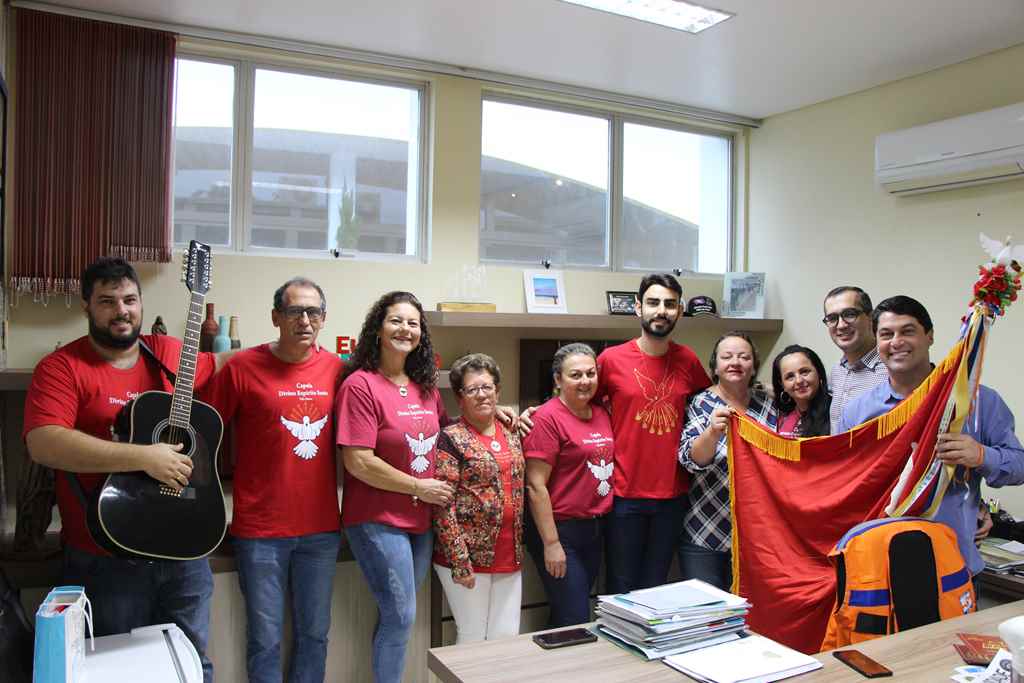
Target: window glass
(675, 205)
(203, 151)
(543, 186)
(335, 164)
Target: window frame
(243, 112)
(616, 158)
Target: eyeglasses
(314, 313)
(479, 390)
(849, 316)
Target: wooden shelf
(560, 321)
(15, 379)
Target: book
(754, 659)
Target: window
(544, 193)
(323, 162)
(203, 151)
(675, 204)
(543, 186)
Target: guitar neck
(181, 403)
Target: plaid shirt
(708, 521)
(847, 381)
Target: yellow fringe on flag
(772, 444)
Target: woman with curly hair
(389, 414)
(802, 396)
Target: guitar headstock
(196, 267)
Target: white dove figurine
(602, 472)
(1002, 253)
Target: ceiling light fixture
(682, 16)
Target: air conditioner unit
(980, 148)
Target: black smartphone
(862, 664)
(564, 638)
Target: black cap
(701, 305)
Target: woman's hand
(433, 491)
(554, 559)
(467, 581)
(525, 421)
(720, 421)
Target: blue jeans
(641, 540)
(569, 597)
(710, 566)
(394, 563)
(267, 569)
(128, 593)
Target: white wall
(817, 219)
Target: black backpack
(16, 637)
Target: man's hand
(167, 465)
(525, 421)
(959, 449)
(985, 523)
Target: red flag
(794, 499)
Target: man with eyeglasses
(285, 522)
(848, 319)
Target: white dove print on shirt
(602, 472)
(420, 447)
(305, 432)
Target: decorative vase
(222, 342)
(208, 331)
(236, 343)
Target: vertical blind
(92, 147)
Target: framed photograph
(545, 291)
(622, 303)
(743, 295)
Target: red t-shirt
(648, 396)
(788, 423)
(74, 387)
(505, 545)
(581, 455)
(402, 431)
(286, 474)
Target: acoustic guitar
(136, 515)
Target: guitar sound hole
(173, 435)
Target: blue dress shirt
(991, 425)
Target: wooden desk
(923, 654)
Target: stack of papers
(671, 619)
(1001, 555)
(753, 659)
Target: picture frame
(621, 303)
(743, 295)
(545, 291)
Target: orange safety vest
(893, 575)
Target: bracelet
(415, 495)
(981, 454)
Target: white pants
(487, 611)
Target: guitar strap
(148, 352)
(76, 484)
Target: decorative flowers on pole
(997, 287)
(999, 280)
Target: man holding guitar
(285, 522)
(75, 395)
